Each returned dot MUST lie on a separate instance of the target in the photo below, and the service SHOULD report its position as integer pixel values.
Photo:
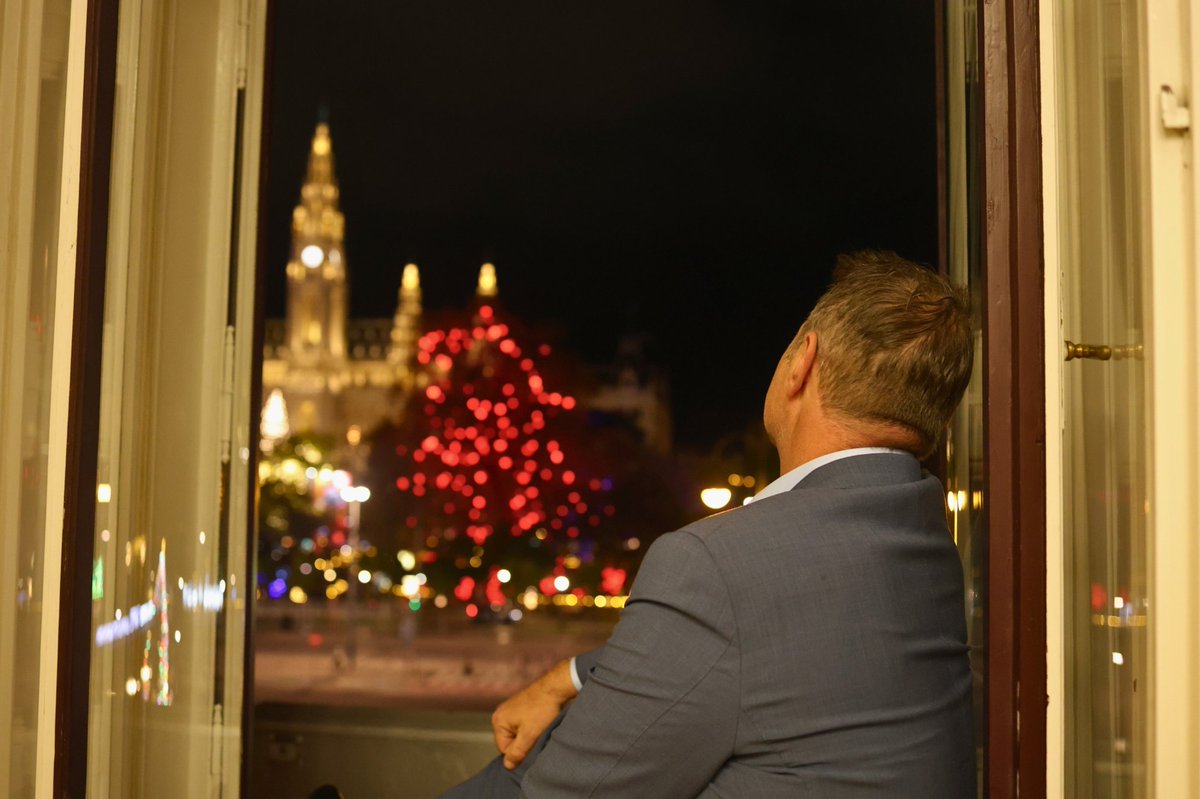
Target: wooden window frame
(1014, 388)
(1015, 401)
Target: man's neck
(804, 448)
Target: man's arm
(520, 719)
(659, 715)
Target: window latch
(1175, 115)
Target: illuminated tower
(486, 288)
(316, 317)
(406, 325)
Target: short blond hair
(894, 344)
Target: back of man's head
(894, 345)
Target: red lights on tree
(481, 461)
(612, 580)
(495, 591)
(465, 589)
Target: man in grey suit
(813, 642)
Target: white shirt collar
(790, 480)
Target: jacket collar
(864, 470)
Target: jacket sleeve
(585, 662)
(658, 717)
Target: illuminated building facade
(337, 377)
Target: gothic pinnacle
(410, 283)
(487, 281)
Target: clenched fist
(520, 719)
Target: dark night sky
(686, 168)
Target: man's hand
(520, 719)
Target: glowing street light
(355, 493)
(274, 426)
(354, 497)
(716, 498)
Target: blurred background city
(521, 318)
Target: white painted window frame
(1171, 31)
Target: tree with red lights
(484, 476)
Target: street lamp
(354, 496)
(716, 498)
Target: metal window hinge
(1103, 352)
(1175, 115)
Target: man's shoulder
(814, 512)
(730, 520)
(788, 505)
(832, 485)
(724, 533)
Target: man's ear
(801, 367)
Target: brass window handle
(1103, 352)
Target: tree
(486, 474)
(301, 518)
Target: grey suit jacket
(809, 644)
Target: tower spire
(487, 282)
(316, 319)
(410, 283)
(320, 161)
(406, 325)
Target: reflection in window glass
(168, 580)
(964, 472)
(33, 62)
(1105, 469)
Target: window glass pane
(964, 454)
(1104, 412)
(33, 60)
(167, 596)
